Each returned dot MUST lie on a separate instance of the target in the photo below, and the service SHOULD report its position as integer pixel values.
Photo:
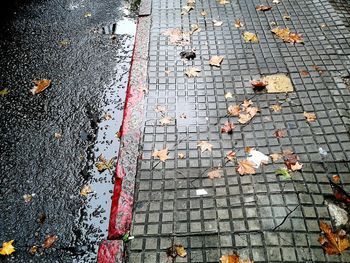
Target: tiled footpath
(239, 213)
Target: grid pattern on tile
(239, 213)
(343, 9)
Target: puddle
(126, 26)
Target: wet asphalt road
(59, 40)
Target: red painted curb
(111, 251)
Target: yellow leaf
(7, 248)
(238, 23)
(180, 250)
(250, 37)
(333, 242)
(4, 92)
(86, 190)
(276, 107)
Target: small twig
(285, 218)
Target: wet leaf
(176, 250)
(217, 173)
(49, 241)
(233, 259)
(216, 61)
(181, 155)
(233, 110)
(287, 36)
(228, 127)
(259, 84)
(86, 190)
(283, 173)
(276, 107)
(333, 242)
(280, 133)
(245, 167)
(4, 92)
(228, 95)
(189, 55)
(231, 155)
(217, 22)
(104, 164)
(275, 156)
(40, 86)
(238, 23)
(160, 108)
(310, 116)
(250, 37)
(33, 250)
(263, 8)
(292, 162)
(161, 154)
(336, 179)
(192, 72)
(165, 120)
(7, 248)
(205, 146)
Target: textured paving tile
(240, 213)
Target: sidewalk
(261, 217)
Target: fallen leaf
(304, 73)
(336, 179)
(86, 190)
(107, 117)
(238, 23)
(176, 250)
(180, 250)
(263, 8)
(7, 248)
(58, 135)
(194, 28)
(286, 17)
(160, 108)
(217, 173)
(245, 167)
(248, 149)
(275, 156)
(33, 250)
(244, 118)
(247, 103)
(276, 107)
(283, 172)
(161, 154)
(186, 9)
(287, 36)
(292, 161)
(40, 85)
(183, 116)
(103, 164)
(318, 69)
(181, 155)
(41, 218)
(280, 133)
(250, 37)
(216, 61)
(177, 36)
(231, 155)
(217, 22)
(192, 72)
(278, 83)
(296, 167)
(87, 14)
(233, 110)
(203, 13)
(165, 120)
(224, 2)
(49, 241)
(228, 127)
(28, 197)
(233, 259)
(252, 111)
(228, 95)
(4, 92)
(205, 146)
(259, 84)
(333, 242)
(310, 116)
(167, 72)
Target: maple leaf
(310, 117)
(276, 107)
(160, 108)
(228, 127)
(86, 190)
(247, 103)
(233, 259)
(231, 155)
(259, 84)
(245, 167)
(336, 179)
(295, 38)
(161, 154)
(192, 72)
(181, 155)
(216, 61)
(217, 22)
(4, 92)
(263, 8)
(333, 242)
(244, 118)
(238, 23)
(283, 172)
(217, 173)
(250, 37)
(228, 95)
(49, 241)
(103, 164)
(40, 85)
(275, 156)
(280, 133)
(7, 248)
(205, 146)
(252, 111)
(233, 110)
(165, 120)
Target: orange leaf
(40, 85)
(233, 259)
(245, 167)
(336, 179)
(333, 242)
(49, 241)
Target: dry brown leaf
(336, 179)
(238, 23)
(245, 167)
(205, 146)
(228, 127)
(86, 190)
(165, 120)
(233, 110)
(33, 250)
(280, 133)
(192, 72)
(40, 85)
(181, 155)
(310, 116)
(276, 107)
(318, 69)
(161, 154)
(296, 167)
(49, 241)
(160, 108)
(263, 8)
(231, 155)
(217, 22)
(176, 250)
(228, 95)
(247, 103)
(333, 242)
(250, 37)
(252, 111)
(275, 156)
(244, 118)
(217, 173)
(259, 84)
(287, 36)
(216, 61)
